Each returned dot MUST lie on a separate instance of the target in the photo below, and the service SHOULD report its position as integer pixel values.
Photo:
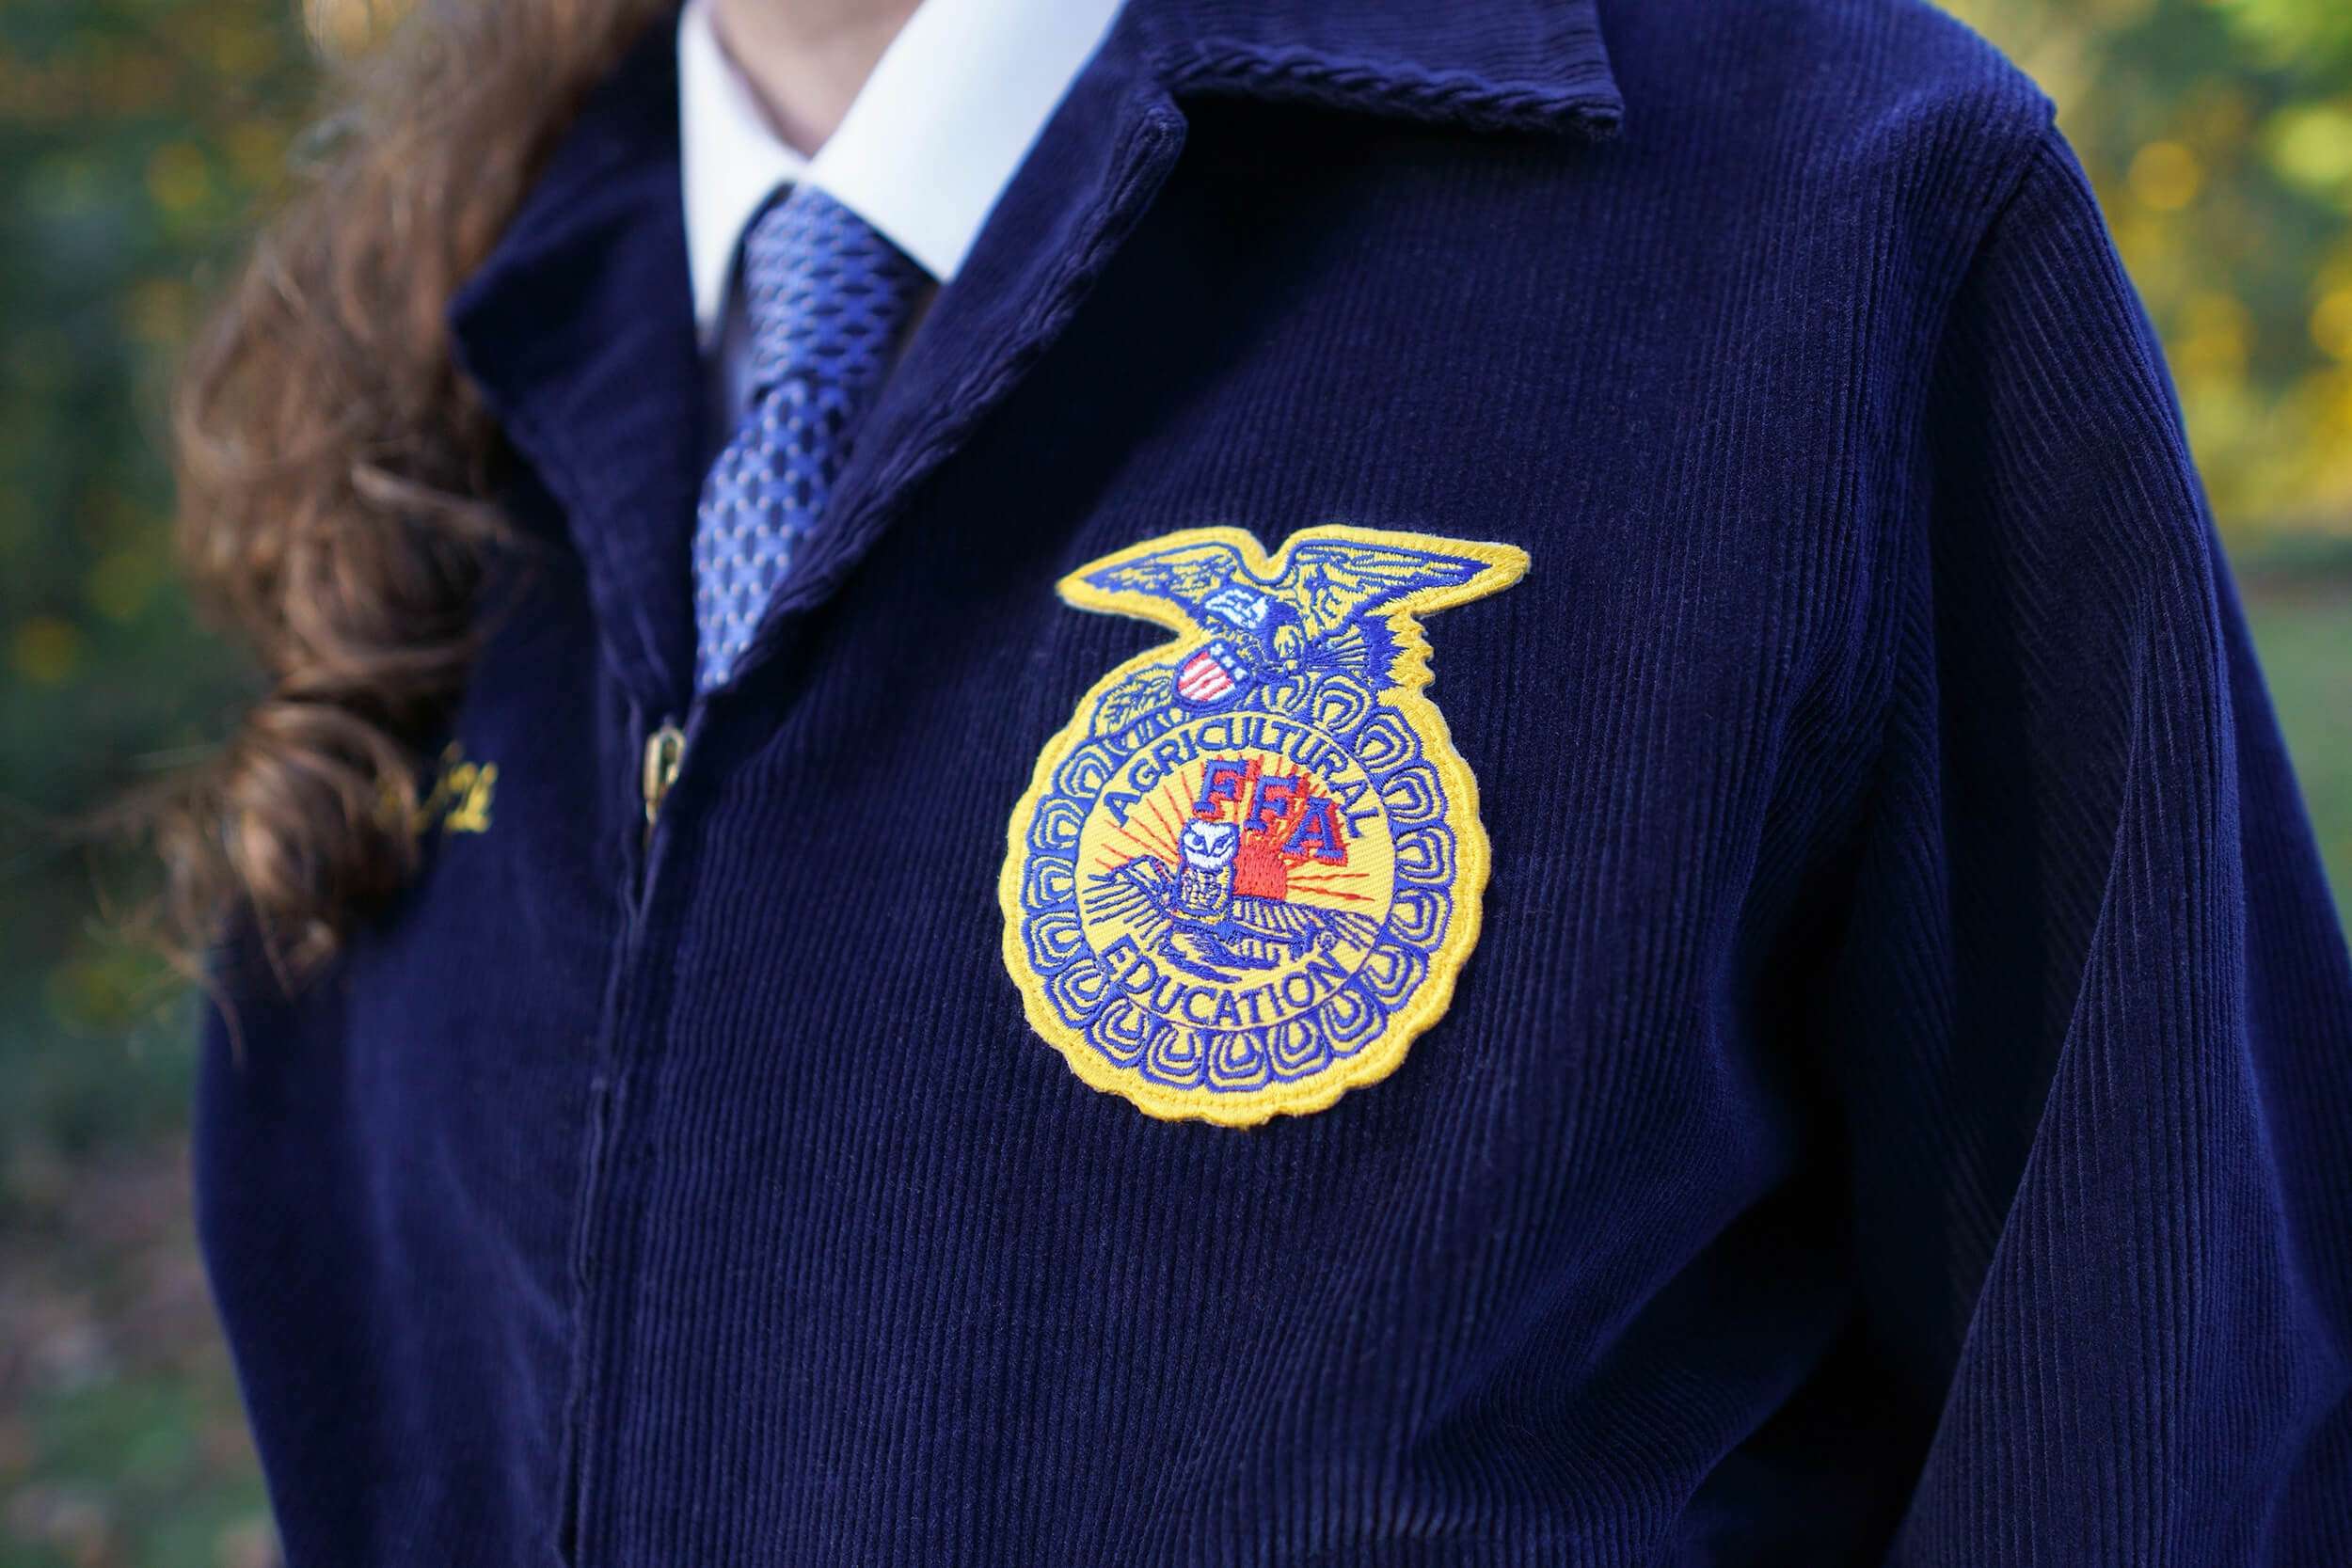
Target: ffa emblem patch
(1246, 874)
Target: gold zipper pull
(665, 748)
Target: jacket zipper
(662, 756)
(665, 751)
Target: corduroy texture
(1896, 1110)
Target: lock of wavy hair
(334, 470)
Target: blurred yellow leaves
(46, 649)
(2219, 135)
(104, 990)
(342, 28)
(178, 178)
(184, 65)
(2282, 34)
(2215, 333)
(2311, 146)
(125, 582)
(158, 311)
(2331, 324)
(2166, 177)
(256, 149)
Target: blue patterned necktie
(828, 298)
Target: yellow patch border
(1408, 677)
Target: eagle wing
(1331, 582)
(1186, 575)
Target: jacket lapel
(579, 332)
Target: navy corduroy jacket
(1893, 1109)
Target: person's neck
(806, 59)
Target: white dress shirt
(927, 146)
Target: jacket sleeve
(2090, 1019)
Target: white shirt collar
(931, 142)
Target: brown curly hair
(334, 470)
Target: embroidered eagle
(1330, 603)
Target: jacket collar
(1528, 65)
(579, 328)
(580, 306)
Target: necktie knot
(826, 294)
(827, 298)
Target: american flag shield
(1205, 677)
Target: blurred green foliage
(138, 139)
(2219, 135)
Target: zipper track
(662, 755)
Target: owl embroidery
(1202, 926)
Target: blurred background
(137, 140)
